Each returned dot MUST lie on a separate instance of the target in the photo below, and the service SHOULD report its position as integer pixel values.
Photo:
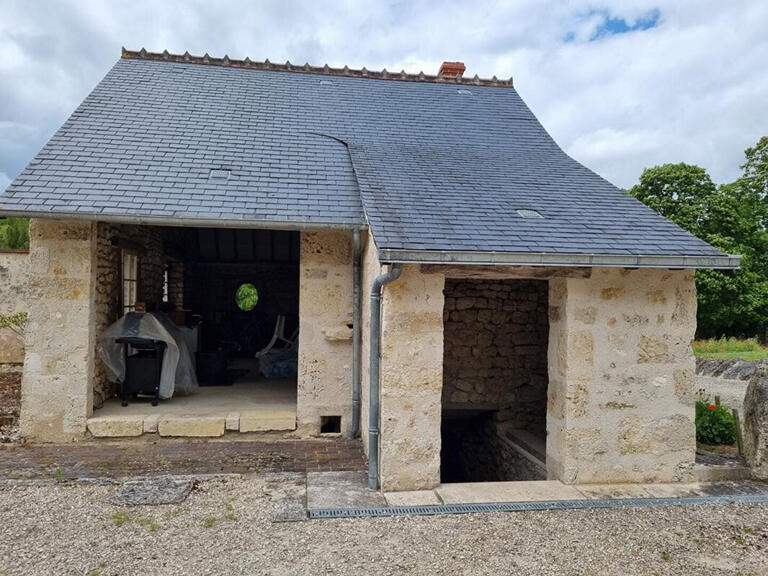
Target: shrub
(715, 425)
(723, 344)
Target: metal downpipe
(356, 333)
(373, 394)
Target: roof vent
(452, 69)
(464, 92)
(525, 213)
(219, 175)
(326, 82)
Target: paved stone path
(123, 459)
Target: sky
(621, 85)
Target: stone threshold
(346, 490)
(553, 490)
(191, 426)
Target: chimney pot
(452, 69)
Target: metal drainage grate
(531, 506)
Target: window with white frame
(130, 279)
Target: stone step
(192, 426)
(720, 472)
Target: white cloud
(693, 88)
(4, 181)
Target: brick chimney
(452, 69)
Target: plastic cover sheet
(178, 376)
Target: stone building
(472, 302)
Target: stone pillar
(56, 394)
(411, 380)
(325, 330)
(621, 377)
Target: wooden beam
(505, 272)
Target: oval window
(247, 297)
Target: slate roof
(438, 168)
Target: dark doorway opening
(495, 379)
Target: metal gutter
(724, 262)
(356, 334)
(585, 504)
(374, 373)
(182, 222)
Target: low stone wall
(14, 270)
(13, 300)
(727, 379)
(496, 335)
(10, 396)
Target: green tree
(732, 218)
(756, 167)
(14, 234)
(680, 192)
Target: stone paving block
(484, 492)
(150, 423)
(153, 491)
(116, 427)
(233, 421)
(289, 509)
(191, 426)
(341, 490)
(264, 421)
(412, 498)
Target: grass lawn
(724, 348)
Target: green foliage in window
(247, 297)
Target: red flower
(711, 407)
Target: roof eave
(724, 262)
(185, 221)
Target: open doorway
(494, 380)
(232, 297)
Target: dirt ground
(226, 526)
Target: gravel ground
(225, 527)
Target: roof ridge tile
(226, 61)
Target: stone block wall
(411, 380)
(151, 267)
(56, 396)
(411, 376)
(496, 336)
(325, 330)
(621, 377)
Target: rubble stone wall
(151, 267)
(496, 336)
(621, 377)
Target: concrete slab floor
(257, 404)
